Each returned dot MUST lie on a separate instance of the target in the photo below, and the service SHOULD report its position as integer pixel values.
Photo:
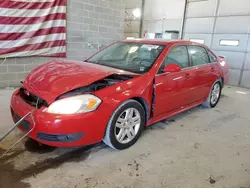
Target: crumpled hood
(55, 78)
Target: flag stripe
(31, 27)
(23, 21)
(31, 13)
(31, 5)
(33, 1)
(63, 54)
(30, 47)
(16, 36)
(41, 52)
(38, 39)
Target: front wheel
(125, 125)
(214, 96)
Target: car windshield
(133, 57)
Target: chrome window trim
(193, 67)
(190, 62)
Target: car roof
(161, 42)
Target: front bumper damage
(60, 130)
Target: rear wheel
(214, 96)
(125, 125)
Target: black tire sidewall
(214, 105)
(113, 140)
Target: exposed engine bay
(98, 85)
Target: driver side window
(178, 55)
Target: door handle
(212, 69)
(187, 75)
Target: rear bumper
(61, 130)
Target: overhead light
(137, 13)
(229, 42)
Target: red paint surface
(175, 93)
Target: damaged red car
(117, 92)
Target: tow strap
(13, 128)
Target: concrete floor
(197, 149)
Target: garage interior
(198, 148)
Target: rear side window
(198, 55)
(212, 57)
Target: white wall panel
(248, 47)
(159, 9)
(199, 25)
(234, 77)
(159, 15)
(160, 26)
(233, 24)
(234, 7)
(201, 8)
(241, 38)
(206, 37)
(246, 79)
(173, 24)
(235, 59)
(247, 63)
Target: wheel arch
(145, 106)
(221, 79)
(106, 137)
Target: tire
(211, 102)
(120, 128)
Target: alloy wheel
(127, 125)
(215, 95)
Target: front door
(173, 89)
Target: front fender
(137, 88)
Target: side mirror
(172, 67)
(222, 57)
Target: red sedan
(118, 91)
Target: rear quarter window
(198, 55)
(212, 57)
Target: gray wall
(215, 20)
(98, 22)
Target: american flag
(32, 28)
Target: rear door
(204, 72)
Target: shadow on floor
(36, 147)
(11, 177)
(167, 122)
